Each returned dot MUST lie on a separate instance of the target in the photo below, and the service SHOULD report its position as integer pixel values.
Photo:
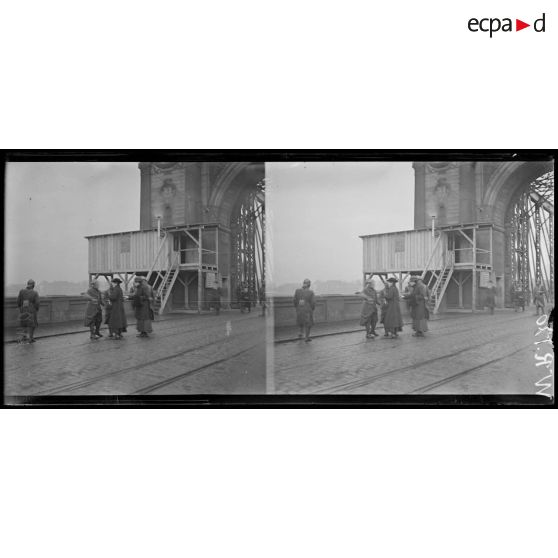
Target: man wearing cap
(304, 302)
(393, 322)
(142, 298)
(28, 304)
(420, 314)
(93, 310)
(115, 314)
(369, 311)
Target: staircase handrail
(173, 265)
(433, 251)
(164, 296)
(159, 251)
(439, 287)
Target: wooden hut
(455, 262)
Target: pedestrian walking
(304, 302)
(142, 300)
(369, 311)
(491, 296)
(420, 314)
(93, 310)
(539, 298)
(115, 316)
(28, 304)
(393, 322)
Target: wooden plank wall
(126, 252)
(402, 251)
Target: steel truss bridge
(248, 230)
(531, 237)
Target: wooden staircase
(438, 284)
(438, 279)
(162, 275)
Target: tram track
(386, 345)
(209, 327)
(169, 381)
(74, 386)
(363, 382)
(463, 373)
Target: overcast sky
(318, 210)
(50, 207)
(316, 213)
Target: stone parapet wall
(53, 309)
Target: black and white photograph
(413, 278)
(134, 278)
(278, 279)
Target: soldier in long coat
(304, 302)
(420, 310)
(142, 299)
(369, 311)
(93, 310)
(393, 323)
(28, 304)
(116, 315)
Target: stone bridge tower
(488, 193)
(227, 194)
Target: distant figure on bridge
(115, 316)
(420, 312)
(369, 311)
(214, 299)
(142, 300)
(244, 298)
(304, 302)
(539, 296)
(518, 297)
(491, 296)
(93, 310)
(263, 301)
(28, 304)
(393, 323)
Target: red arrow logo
(519, 25)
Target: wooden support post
(474, 278)
(460, 291)
(200, 272)
(491, 250)
(217, 249)
(200, 289)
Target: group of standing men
(387, 300)
(112, 300)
